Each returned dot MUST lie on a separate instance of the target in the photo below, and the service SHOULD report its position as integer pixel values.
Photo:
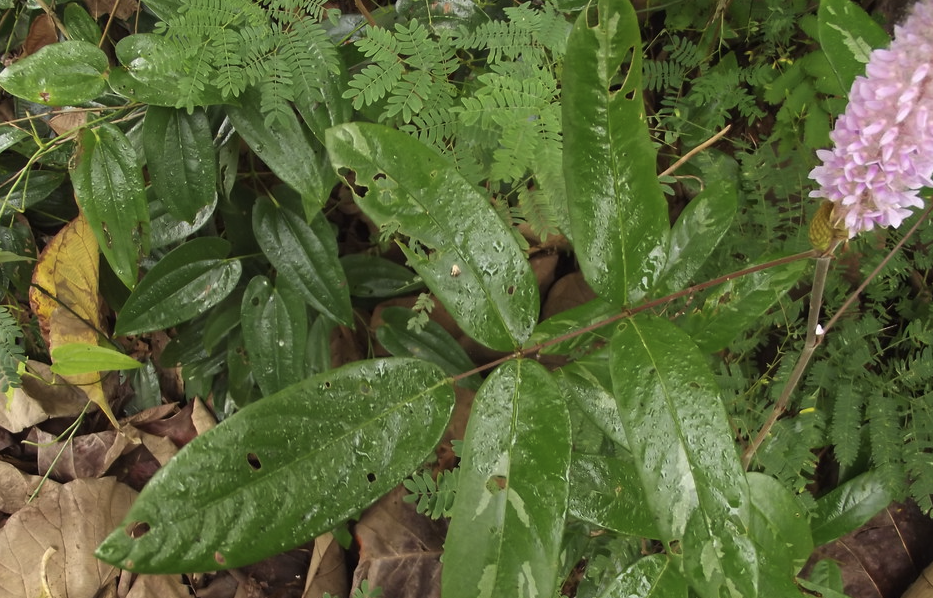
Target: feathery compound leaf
(11, 353)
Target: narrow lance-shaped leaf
(180, 157)
(109, 188)
(466, 255)
(275, 330)
(618, 215)
(680, 438)
(188, 281)
(508, 515)
(306, 255)
(311, 455)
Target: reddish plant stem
(634, 310)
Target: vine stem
(632, 311)
(815, 334)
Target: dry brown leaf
(65, 299)
(121, 9)
(15, 487)
(158, 586)
(41, 33)
(923, 587)
(73, 519)
(86, 456)
(400, 550)
(67, 120)
(568, 292)
(328, 569)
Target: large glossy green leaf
(698, 230)
(285, 469)
(618, 215)
(187, 282)
(508, 515)
(849, 506)
(62, 74)
(306, 255)
(736, 305)
(80, 25)
(847, 36)
(109, 188)
(606, 491)
(288, 149)
(587, 384)
(679, 436)
(275, 330)
(431, 343)
(779, 523)
(465, 253)
(180, 156)
(374, 276)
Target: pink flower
(883, 144)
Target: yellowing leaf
(64, 298)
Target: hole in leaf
(326, 384)
(350, 177)
(220, 558)
(379, 176)
(371, 477)
(254, 462)
(137, 529)
(510, 290)
(630, 95)
(255, 301)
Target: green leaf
(275, 330)
(285, 469)
(466, 255)
(288, 149)
(81, 26)
(607, 492)
(109, 188)
(81, 358)
(654, 576)
(508, 515)
(779, 527)
(431, 343)
(33, 188)
(587, 383)
(679, 435)
(736, 305)
(848, 507)
(306, 255)
(180, 157)
(698, 230)
(374, 276)
(187, 282)
(571, 320)
(618, 214)
(848, 36)
(62, 74)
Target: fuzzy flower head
(883, 145)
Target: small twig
(695, 151)
(365, 12)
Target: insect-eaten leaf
(84, 358)
(62, 74)
(311, 455)
(64, 298)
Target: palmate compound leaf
(618, 215)
(679, 436)
(466, 255)
(508, 515)
(285, 469)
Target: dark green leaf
(62, 74)
(654, 576)
(683, 447)
(168, 230)
(465, 253)
(373, 276)
(848, 507)
(736, 305)
(306, 255)
(108, 184)
(607, 492)
(188, 281)
(573, 319)
(618, 215)
(779, 528)
(698, 230)
(31, 189)
(180, 157)
(288, 149)
(285, 469)
(431, 343)
(508, 515)
(847, 36)
(275, 331)
(81, 26)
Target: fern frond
(519, 143)
(373, 83)
(887, 441)
(11, 353)
(846, 429)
